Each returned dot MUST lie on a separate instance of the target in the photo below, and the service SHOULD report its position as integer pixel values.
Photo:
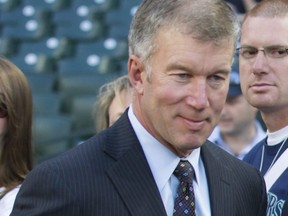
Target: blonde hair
(107, 93)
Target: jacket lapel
(219, 181)
(130, 173)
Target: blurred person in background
(238, 130)
(242, 6)
(15, 133)
(263, 77)
(112, 100)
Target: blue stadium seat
(46, 104)
(51, 136)
(81, 112)
(80, 84)
(51, 47)
(9, 5)
(26, 23)
(95, 57)
(8, 47)
(36, 57)
(51, 5)
(41, 83)
(119, 20)
(79, 22)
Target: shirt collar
(161, 160)
(216, 137)
(276, 137)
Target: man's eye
(216, 78)
(250, 52)
(183, 75)
(277, 52)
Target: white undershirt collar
(276, 137)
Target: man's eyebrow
(179, 67)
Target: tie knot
(184, 171)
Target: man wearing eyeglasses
(263, 76)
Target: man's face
(180, 103)
(264, 79)
(236, 115)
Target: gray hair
(205, 20)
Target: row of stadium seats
(76, 20)
(63, 56)
(67, 49)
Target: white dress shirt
(163, 162)
(7, 202)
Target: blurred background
(67, 50)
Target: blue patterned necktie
(185, 201)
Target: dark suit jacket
(109, 176)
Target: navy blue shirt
(278, 193)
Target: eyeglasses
(274, 52)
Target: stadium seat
(80, 84)
(102, 6)
(51, 136)
(123, 67)
(8, 47)
(52, 5)
(41, 83)
(79, 64)
(46, 104)
(95, 57)
(79, 22)
(51, 47)
(81, 114)
(119, 20)
(37, 57)
(9, 5)
(26, 23)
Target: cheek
(165, 94)
(217, 100)
(174, 99)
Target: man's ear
(136, 73)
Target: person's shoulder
(240, 170)
(250, 156)
(229, 161)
